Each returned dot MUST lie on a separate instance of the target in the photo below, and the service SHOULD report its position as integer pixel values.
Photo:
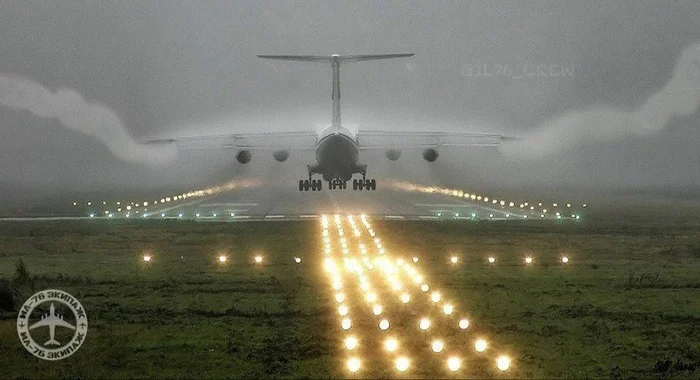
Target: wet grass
(627, 304)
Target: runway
(251, 201)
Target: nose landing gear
(337, 184)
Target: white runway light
(448, 309)
(564, 259)
(391, 344)
(437, 346)
(384, 325)
(463, 323)
(480, 345)
(354, 365)
(453, 363)
(346, 324)
(402, 364)
(350, 343)
(503, 363)
(424, 324)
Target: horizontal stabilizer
(330, 58)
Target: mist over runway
(240, 200)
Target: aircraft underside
(337, 156)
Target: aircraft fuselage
(337, 155)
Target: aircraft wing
(244, 141)
(396, 139)
(51, 321)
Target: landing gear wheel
(307, 185)
(373, 184)
(301, 185)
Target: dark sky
(604, 93)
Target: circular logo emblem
(52, 324)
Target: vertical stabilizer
(335, 61)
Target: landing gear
(313, 185)
(364, 184)
(337, 184)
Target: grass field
(626, 305)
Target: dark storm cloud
(180, 68)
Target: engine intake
(393, 154)
(430, 155)
(281, 155)
(243, 157)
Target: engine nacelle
(393, 154)
(281, 155)
(243, 157)
(430, 155)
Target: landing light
(454, 259)
(528, 260)
(437, 346)
(448, 309)
(258, 259)
(354, 365)
(402, 364)
(424, 324)
(480, 345)
(351, 343)
(453, 363)
(503, 363)
(391, 344)
(147, 258)
(222, 259)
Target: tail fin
(335, 61)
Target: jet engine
(281, 155)
(430, 155)
(243, 157)
(393, 154)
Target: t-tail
(335, 61)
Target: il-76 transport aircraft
(336, 146)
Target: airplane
(337, 147)
(52, 320)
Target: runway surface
(241, 200)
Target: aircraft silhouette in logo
(52, 320)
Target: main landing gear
(313, 185)
(364, 184)
(337, 184)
